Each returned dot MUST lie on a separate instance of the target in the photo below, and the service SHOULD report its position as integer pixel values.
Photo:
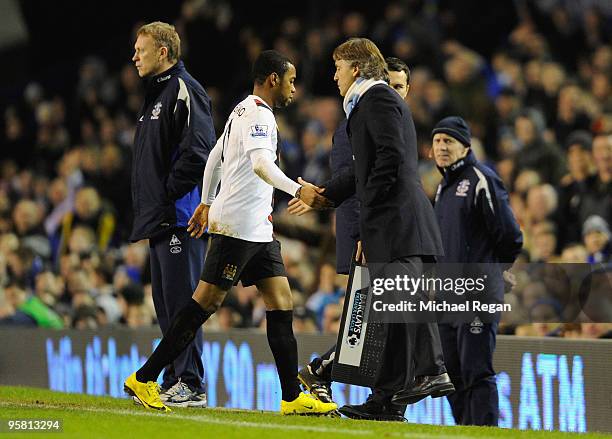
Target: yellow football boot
(147, 393)
(307, 405)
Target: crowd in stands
(539, 106)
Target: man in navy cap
(477, 226)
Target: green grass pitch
(86, 416)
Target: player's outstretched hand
(298, 207)
(312, 196)
(198, 221)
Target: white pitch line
(246, 424)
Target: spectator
(49, 288)
(525, 180)
(501, 128)
(27, 221)
(543, 242)
(601, 89)
(303, 321)
(79, 288)
(85, 317)
(534, 152)
(316, 157)
(113, 183)
(541, 202)
(467, 87)
(332, 313)
(574, 254)
(570, 115)
(327, 293)
(88, 211)
(597, 197)
(23, 266)
(596, 235)
(139, 316)
(135, 257)
(131, 300)
(82, 241)
(596, 330)
(30, 310)
(572, 188)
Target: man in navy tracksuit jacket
(174, 135)
(477, 226)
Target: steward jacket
(174, 135)
(477, 224)
(474, 214)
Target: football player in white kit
(242, 247)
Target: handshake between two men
(310, 197)
(307, 198)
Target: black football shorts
(229, 260)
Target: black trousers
(176, 264)
(411, 349)
(468, 353)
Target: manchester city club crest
(462, 188)
(229, 272)
(156, 111)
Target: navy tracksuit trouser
(468, 355)
(176, 264)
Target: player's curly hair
(363, 53)
(268, 62)
(164, 35)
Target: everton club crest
(462, 188)
(156, 111)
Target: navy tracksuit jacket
(174, 135)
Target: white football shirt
(243, 205)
